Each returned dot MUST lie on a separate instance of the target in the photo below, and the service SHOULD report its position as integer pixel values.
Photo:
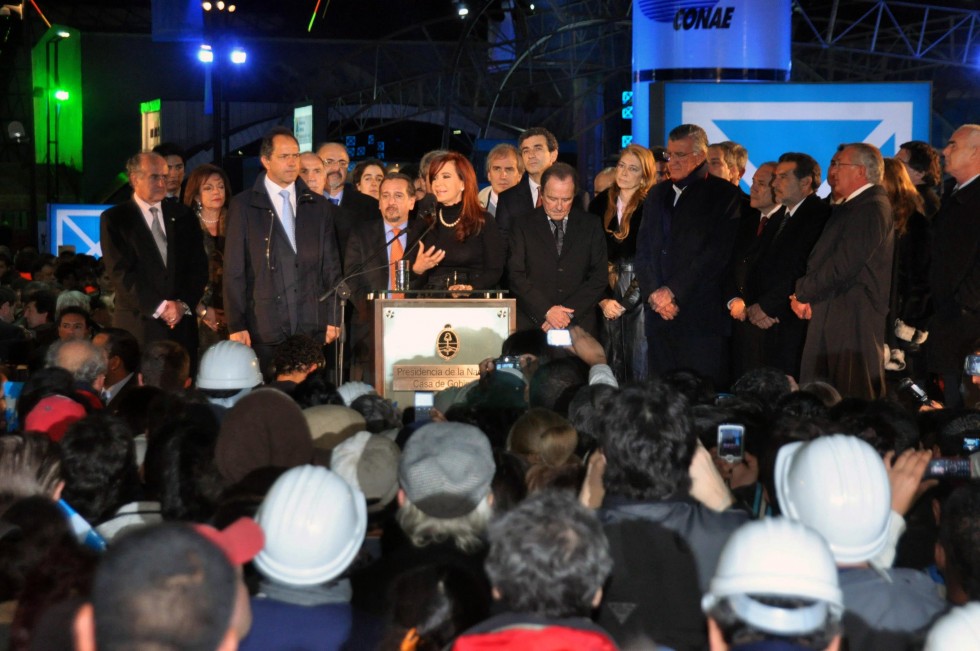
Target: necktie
(559, 234)
(538, 203)
(492, 208)
(762, 224)
(288, 218)
(397, 251)
(159, 234)
(335, 201)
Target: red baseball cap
(241, 540)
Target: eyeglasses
(835, 163)
(336, 161)
(679, 155)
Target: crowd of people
(712, 463)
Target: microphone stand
(341, 292)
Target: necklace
(444, 223)
(199, 211)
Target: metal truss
(883, 39)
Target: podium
(433, 342)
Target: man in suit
(154, 254)
(785, 245)
(354, 206)
(174, 156)
(122, 353)
(370, 265)
(682, 259)
(504, 169)
(313, 172)
(760, 210)
(845, 290)
(955, 273)
(539, 151)
(558, 258)
(280, 255)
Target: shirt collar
(858, 191)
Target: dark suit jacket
(366, 252)
(513, 204)
(140, 278)
(847, 282)
(355, 208)
(784, 250)
(688, 247)
(540, 279)
(254, 293)
(955, 279)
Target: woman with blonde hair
(909, 302)
(547, 442)
(621, 209)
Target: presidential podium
(431, 340)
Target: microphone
(343, 290)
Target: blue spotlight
(205, 54)
(238, 56)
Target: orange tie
(397, 251)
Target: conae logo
(688, 14)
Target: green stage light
(61, 95)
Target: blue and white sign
(75, 225)
(770, 119)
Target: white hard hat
(314, 525)
(777, 557)
(838, 486)
(958, 629)
(229, 365)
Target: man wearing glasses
(844, 292)
(682, 259)
(154, 253)
(355, 208)
(280, 255)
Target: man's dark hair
(169, 149)
(924, 158)
(555, 384)
(98, 464)
(697, 389)
(163, 587)
(699, 139)
(379, 413)
(122, 344)
(768, 384)
(585, 414)
(399, 176)
(532, 341)
(265, 149)
(25, 259)
(806, 166)
(30, 464)
(40, 264)
(317, 389)
(648, 441)
(538, 131)
(75, 309)
(548, 556)
(959, 535)
(179, 468)
(297, 353)
(165, 364)
(44, 302)
(562, 172)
